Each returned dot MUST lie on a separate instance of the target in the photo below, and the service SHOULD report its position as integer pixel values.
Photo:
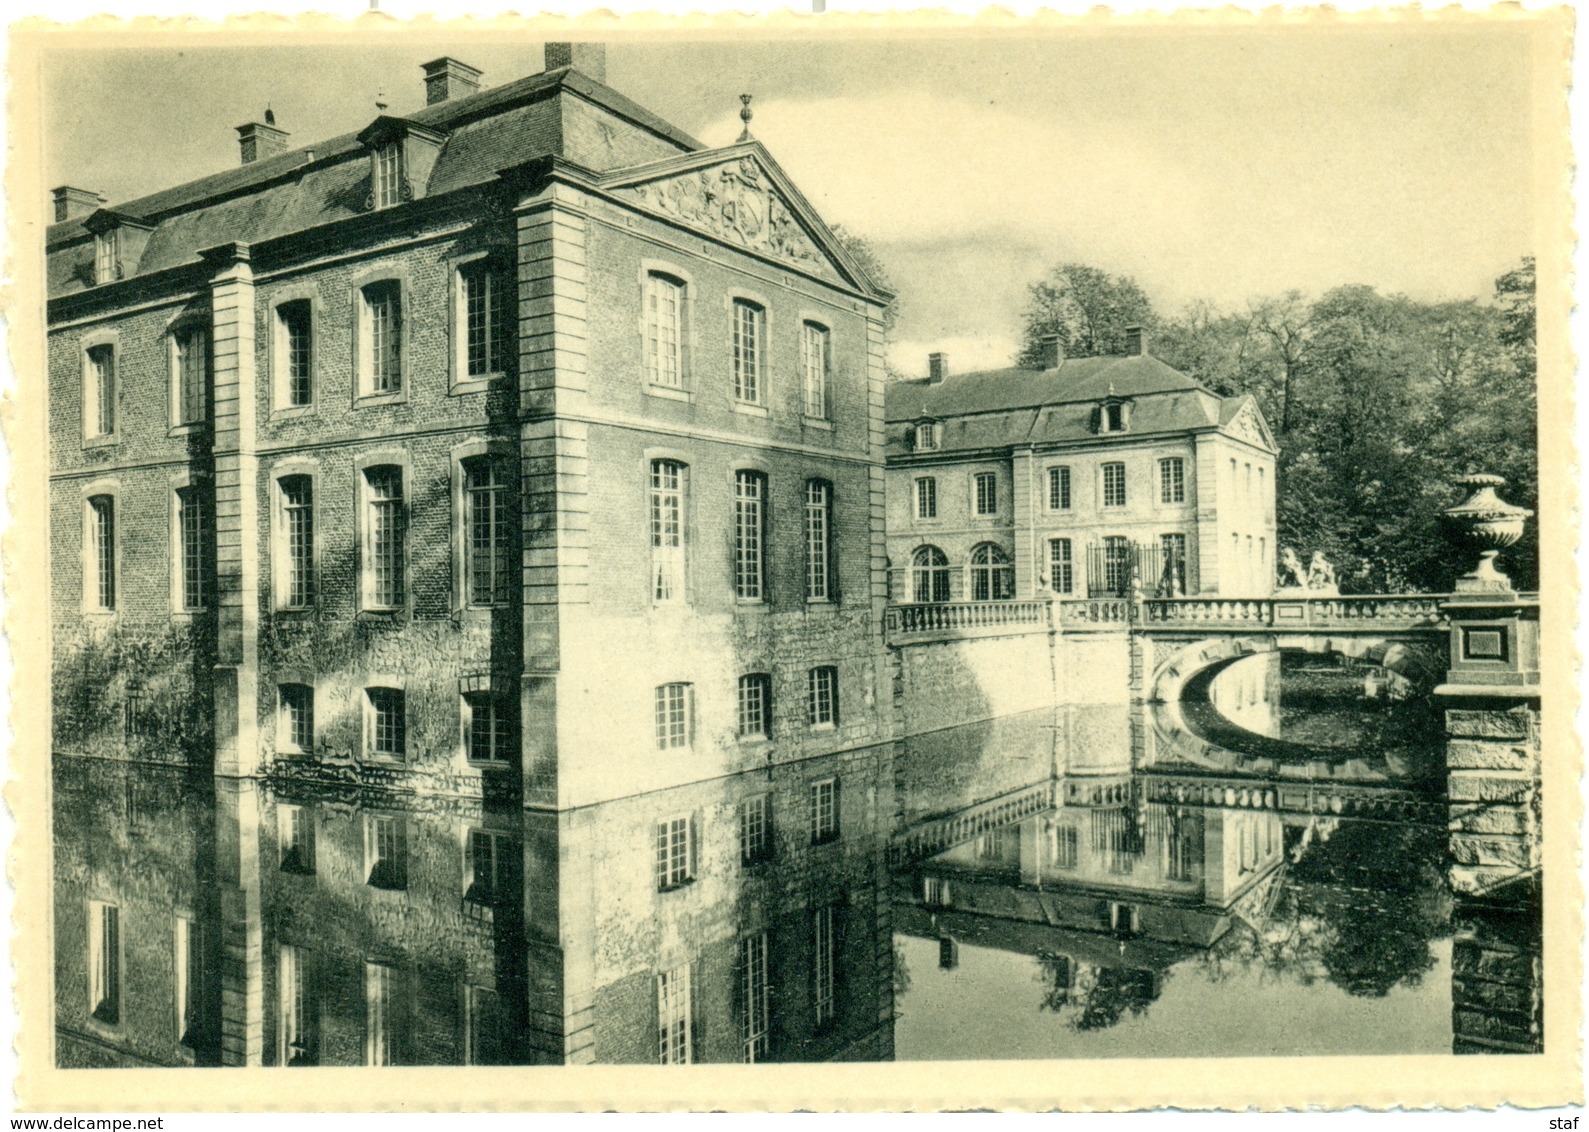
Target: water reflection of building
(207, 921)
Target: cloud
(967, 354)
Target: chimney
(1050, 351)
(447, 78)
(1134, 346)
(937, 368)
(70, 203)
(589, 59)
(259, 140)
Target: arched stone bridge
(1174, 640)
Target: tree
(1089, 309)
(864, 254)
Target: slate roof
(998, 408)
(487, 132)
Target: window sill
(291, 412)
(374, 759)
(750, 409)
(750, 605)
(821, 605)
(371, 400)
(683, 884)
(495, 766)
(476, 383)
(823, 728)
(295, 612)
(668, 393)
(108, 441)
(189, 429)
(817, 422)
(826, 839)
(378, 616)
(481, 612)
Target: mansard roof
(546, 114)
(994, 409)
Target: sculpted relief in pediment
(1245, 425)
(737, 202)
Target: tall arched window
(929, 575)
(992, 575)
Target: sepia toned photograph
(1021, 545)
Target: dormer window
(924, 436)
(388, 175)
(1114, 415)
(107, 257)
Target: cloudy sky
(1215, 164)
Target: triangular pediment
(1248, 424)
(739, 195)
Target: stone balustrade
(1381, 611)
(966, 618)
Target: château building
(1078, 479)
(516, 449)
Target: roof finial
(380, 102)
(744, 116)
(270, 115)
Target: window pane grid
(749, 494)
(664, 321)
(490, 734)
(824, 810)
(102, 365)
(822, 697)
(748, 323)
(1172, 480)
(822, 964)
(297, 711)
(927, 498)
(816, 371)
(1059, 489)
(386, 537)
(756, 997)
(673, 1016)
(297, 506)
(1060, 577)
(389, 175)
(1114, 485)
(987, 485)
(818, 506)
(992, 574)
(190, 518)
(193, 378)
(755, 842)
(673, 852)
(490, 562)
(667, 530)
(383, 327)
(380, 1030)
(295, 329)
(105, 257)
(754, 693)
(102, 513)
(388, 736)
(485, 309)
(929, 575)
(673, 716)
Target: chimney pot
(71, 202)
(1050, 351)
(257, 141)
(448, 78)
(937, 367)
(589, 59)
(1135, 346)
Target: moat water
(1261, 870)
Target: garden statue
(1321, 576)
(1291, 576)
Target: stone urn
(1489, 523)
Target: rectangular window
(987, 493)
(675, 850)
(193, 374)
(665, 331)
(755, 706)
(1172, 480)
(296, 834)
(297, 521)
(673, 715)
(300, 1030)
(388, 175)
(824, 810)
(755, 993)
(667, 530)
(484, 313)
(102, 390)
(188, 960)
(296, 726)
(1059, 489)
(384, 725)
(926, 498)
(755, 830)
(1061, 579)
(294, 322)
(750, 328)
(191, 537)
(819, 552)
(107, 257)
(1114, 485)
(489, 734)
(380, 1027)
(750, 495)
(384, 573)
(104, 962)
(483, 865)
(673, 1016)
(814, 388)
(382, 334)
(924, 437)
(822, 697)
(823, 953)
(385, 851)
(483, 1027)
(1065, 846)
(487, 549)
(102, 553)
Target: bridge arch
(1176, 662)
